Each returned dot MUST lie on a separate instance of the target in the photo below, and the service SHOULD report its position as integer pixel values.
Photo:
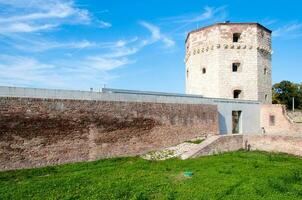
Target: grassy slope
(239, 175)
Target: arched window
(187, 73)
(236, 37)
(237, 94)
(235, 67)
(265, 71)
(204, 70)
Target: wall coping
(108, 94)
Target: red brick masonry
(39, 132)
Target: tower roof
(228, 23)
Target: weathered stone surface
(39, 132)
(290, 144)
(212, 48)
(274, 120)
(214, 145)
(296, 116)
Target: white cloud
(22, 70)
(80, 45)
(268, 22)
(36, 15)
(208, 13)
(103, 24)
(121, 52)
(155, 31)
(46, 9)
(36, 44)
(120, 43)
(33, 44)
(156, 35)
(57, 10)
(184, 23)
(105, 64)
(123, 43)
(80, 74)
(168, 42)
(24, 28)
(84, 72)
(79, 71)
(291, 30)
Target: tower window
(236, 37)
(266, 97)
(237, 94)
(272, 120)
(187, 73)
(235, 67)
(265, 71)
(204, 70)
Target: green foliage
(285, 91)
(237, 175)
(198, 141)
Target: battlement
(228, 23)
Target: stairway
(192, 152)
(215, 144)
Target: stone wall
(39, 132)
(274, 120)
(296, 115)
(212, 48)
(289, 144)
(250, 109)
(214, 145)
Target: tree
(285, 91)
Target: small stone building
(230, 60)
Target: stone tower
(230, 60)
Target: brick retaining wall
(274, 120)
(39, 132)
(290, 144)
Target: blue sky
(134, 44)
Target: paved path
(183, 150)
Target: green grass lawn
(238, 175)
(198, 141)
